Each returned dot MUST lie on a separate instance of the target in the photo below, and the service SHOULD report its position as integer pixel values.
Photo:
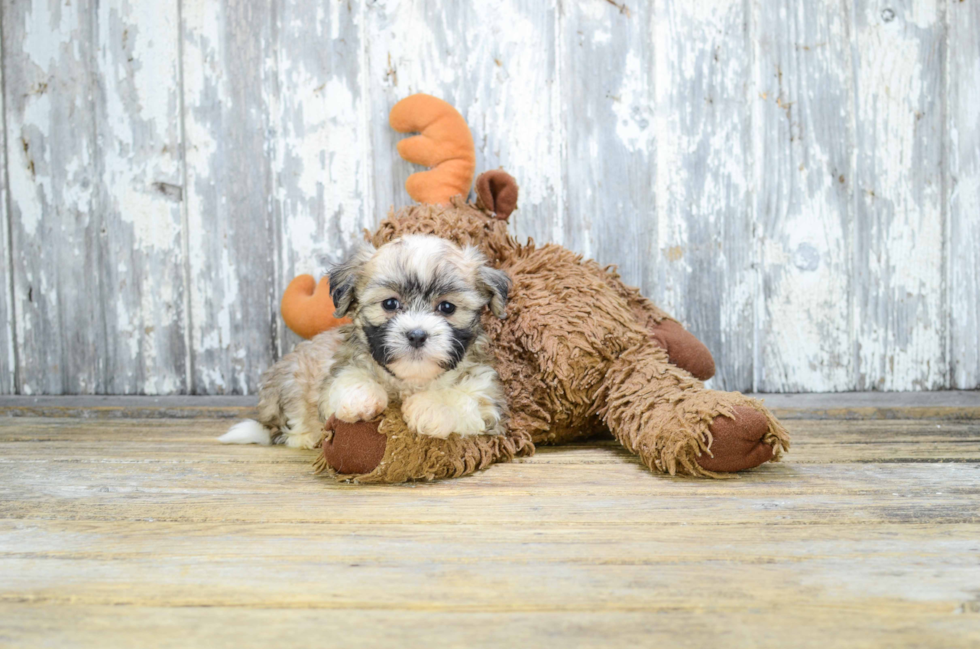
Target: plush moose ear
(343, 278)
(496, 192)
(496, 284)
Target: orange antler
(307, 307)
(444, 143)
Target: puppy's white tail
(247, 432)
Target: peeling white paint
(634, 114)
(704, 274)
(963, 234)
(8, 364)
(47, 33)
(49, 118)
(32, 190)
(782, 199)
(901, 341)
(514, 123)
(141, 192)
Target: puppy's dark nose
(416, 337)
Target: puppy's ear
(496, 284)
(343, 279)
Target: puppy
(415, 338)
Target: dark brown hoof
(737, 443)
(684, 350)
(353, 449)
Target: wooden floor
(146, 532)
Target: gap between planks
(948, 404)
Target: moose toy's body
(580, 353)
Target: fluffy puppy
(415, 337)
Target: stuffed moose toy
(580, 353)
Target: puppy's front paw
(442, 412)
(361, 402)
(426, 417)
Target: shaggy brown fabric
(738, 443)
(683, 349)
(578, 354)
(496, 192)
(459, 221)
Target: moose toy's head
(445, 145)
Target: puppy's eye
(391, 304)
(446, 308)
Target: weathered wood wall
(798, 182)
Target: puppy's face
(417, 302)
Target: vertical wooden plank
(57, 230)
(803, 159)
(95, 185)
(702, 268)
(963, 146)
(229, 76)
(607, 76)
(495, 61)
(138, 126)
(899, 221)
(322, 148)
(8, 355)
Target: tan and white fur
(415, 338)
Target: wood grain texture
(798, 183)
(898, 266)
(56, 216)
(140, 195)
(608, 119)
(135, 532)
(866, 440)
(321, 143)
(963, 208)
(803, 160)
(93, 97)
(8, 342)
(806, 627)
(229, 74)
(703, 265)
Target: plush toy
(580, 353)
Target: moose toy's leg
(676, 426)
(683, 349)
(353, 448)
(386, 451)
